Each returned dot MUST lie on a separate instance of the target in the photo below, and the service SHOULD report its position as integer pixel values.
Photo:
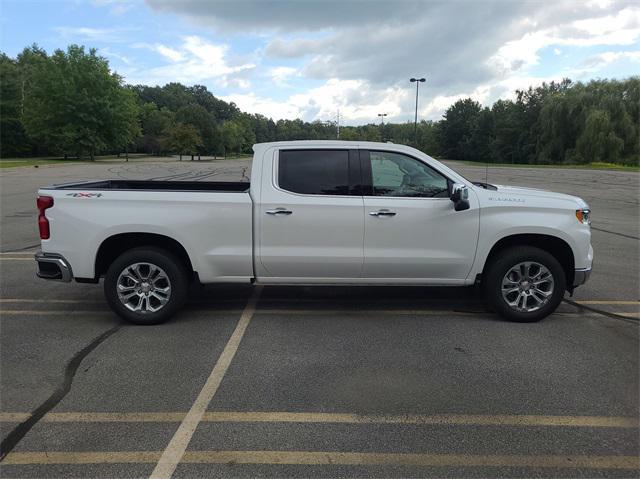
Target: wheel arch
(557, 247)
(115, 245)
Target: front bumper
(53, 267)
(581, 276)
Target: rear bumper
(53, 267)
(581, 276)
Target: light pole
(415, 125)
(382, 115)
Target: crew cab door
(310, 212)
(412, 231)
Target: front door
(311, 220)
(412, 231)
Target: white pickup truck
(317, 213)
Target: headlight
(584, 216)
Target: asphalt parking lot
(320, 382)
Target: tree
(154, 123)
(13, 140)
(182, 139)
(232, 136)
(506, 143)
(74, 104)
(458, 126)
(71, 103)
(201, 120)
(598, 141)
(126, 127)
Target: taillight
(44, 202)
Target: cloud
(252, 103)
(165, 51)
(168, 52)
(196, 60)
(280, 48)
(363, 53)
(109, 53)
(596, 62)
(289, 16)
(281, 75)
(105, 35)
(117, 7)
(623, 28)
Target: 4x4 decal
(85, 195)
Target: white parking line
(178, 445)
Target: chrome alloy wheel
(527, 286)
(143, 288)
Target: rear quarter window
(314, 172)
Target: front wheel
(525, 284)
(146, 285)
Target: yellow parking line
(45, 301)
(443, 419)
(133, 457)
(42, 312)
(409, 459)
(89, 301)
(345, 418)
(302, 312)
(39, 312)
(305, 312)
(14, 416)
(608, 302)
(327, 458)
(364, 312)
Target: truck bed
(151, 185)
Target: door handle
(382, 213)
(279, 211)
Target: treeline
(69, 103)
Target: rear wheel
(525, 284)
(146, 285)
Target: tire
(524, 301)
(137, 301)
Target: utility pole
(415, 124)
(338, 124)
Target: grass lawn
(12, 163)
(17, 162)
(590, 166)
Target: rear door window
(314, 172)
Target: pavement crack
(616, 233)
(602, 312)
(31, 246)
(15, 436)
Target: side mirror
(460, 196)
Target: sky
(308, 59)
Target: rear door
(311, 215)
(412, 232)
